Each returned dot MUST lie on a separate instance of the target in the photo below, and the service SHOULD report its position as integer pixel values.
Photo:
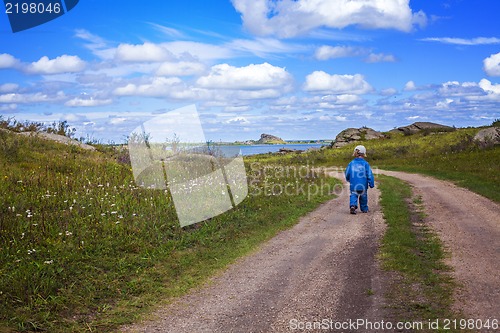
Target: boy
(360, 175)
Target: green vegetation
(423, 288)
(82, 248)
(452, 156)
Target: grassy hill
(452, 155)
(83, 248)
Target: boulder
(269, 139)
(59, 138)
(422, 126)
(356, 134)
(489, 135)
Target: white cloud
(290, 18)
(490, 88)
(185, 50)
(31, 98)
(158, 87)
(59, 65)
(388, 92)
(8, 107)
(8, 87)
(410, 86)
(492, 65)
(251, 77)
(326, 52)
(167, 31)
(79, 102)
(147, 52)
(463, 41)
(8, 61)
(237, 120)
(320, 81)
(182, 68)
(97, 45)
(380, 57)
(264, 47)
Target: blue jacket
(359, 174)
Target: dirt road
(324, 268)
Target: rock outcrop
(59, 138)
(269, 139)
(490, 135)
(422, 126)
(356, 134)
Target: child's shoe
(353, 209)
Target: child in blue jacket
(360, 176)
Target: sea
(247, 150)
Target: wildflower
(48, 262)
(114, 212)
(69, 233)
(31, 251)
(117, 222)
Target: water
(263, 149)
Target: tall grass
(83, 248)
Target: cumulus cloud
(147, 52)
(410, 86)
(290, 18)
(158, 87)
(8, 61)
(182, 68)
(251, 77)
(320, 81)
(492, 65)
(59, 65)
(490, 88)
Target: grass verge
(422, 289)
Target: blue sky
(303, 69)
